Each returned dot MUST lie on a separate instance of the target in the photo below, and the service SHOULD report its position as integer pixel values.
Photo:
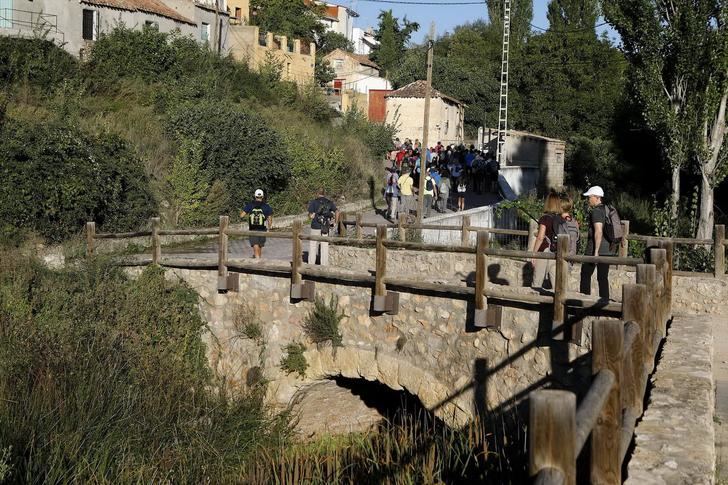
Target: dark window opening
(90, 20)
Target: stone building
(77, 24)
(406, 107)
(530, 162)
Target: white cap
(595, 190)
(259, 193)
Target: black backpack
(257, 218)
(559, 225)
(324, 215)
(429, 186)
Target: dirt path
(720, 374)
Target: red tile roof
(156, 7)
(418, 89)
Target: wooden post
(401, 228)
(669, 248)
(532, 233)
(552, 433)
(358, 226)
(380, 288)
(300, 290)
(90, 235)
(342, 225)
(719, 250)
(222, 254)
(635, 308)
(560, 285)
(647, 275)
(465, 231)
(624, 246)
(606, 461)
(658, 257)
(481, 268)
(156, 242)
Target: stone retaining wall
(675, 440)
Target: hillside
(156, 124)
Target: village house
(405, 108)
(296, 58)
(357, 82)
(77, 24)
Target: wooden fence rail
(623, 356)
(385, 301)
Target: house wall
(70, 21)
(445, 119)
(244, 6)
(244, 46)
(531, 153)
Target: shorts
(257, 241)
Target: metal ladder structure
(503, 107)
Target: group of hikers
(450, 173)
(603, 235)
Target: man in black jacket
(597, 244)
(324, 216)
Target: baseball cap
(595, 190)
(259, 193)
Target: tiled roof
(418, 89)
(156, 7)
(361, 59)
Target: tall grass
(103, 380)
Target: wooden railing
(623, 356)
(386, 301)
(717, 244)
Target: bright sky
(446, 17)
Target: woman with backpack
(462, 188)
(556, 219)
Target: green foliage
(186, 185)
(239, 148)
(322, 322)
(294, 360)
(521, 18)
(5, 466)
(323, 72)
(392, 38)
(593, 162)
(377, 136)
(329, 41)
(292, 19)
(56, 177)
(105, 380)
(247, 323)
(35, 61)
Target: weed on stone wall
(322, 322)
(294, 360)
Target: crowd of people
(450, 173)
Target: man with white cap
(260, 218)
(597, 244)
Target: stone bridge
(429, 348)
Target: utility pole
(426, 126)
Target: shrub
(294, 360)
(377, 136)
(37, 61)
(107, 381)
(247, 323)
(55, 178)
(239, 148)
(322, 322)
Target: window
(338, 63)
(205, 32)
(90, 24)
(238, 13)
(150, 24)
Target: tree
(677, 52)
(330, 41)
(186, 186)
(286, 17)
(393, 39)
(573, 15)
(521, 18)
